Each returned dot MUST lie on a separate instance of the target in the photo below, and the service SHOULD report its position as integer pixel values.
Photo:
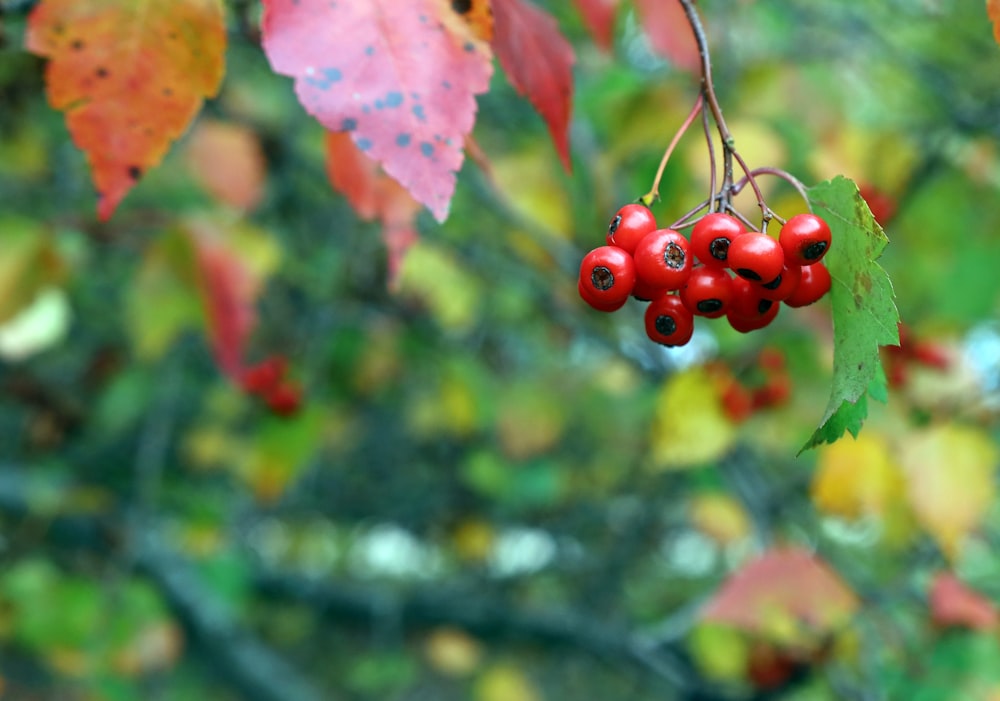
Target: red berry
(746, 324)
(771, 360)
(598, 304)
(814, 284)
(775, 392)
(607, 276)
(782, 286)
(662, 259)
(708, 292)
(711, 236)
(646, 292)
(668, 321)
(261, 378)
(756, 257)
(805, 239)
(285, 399)
(629, 225)
(931, 354)
(882, 204)
(737, 402)
(749, 311)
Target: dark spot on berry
(719, 248)
(814, 250)
(665, 325)
(615, 223)
(602, 278)
(461, 6)
(134, 172)
(773, 285)
(674, 256)
(764, 306)
(748, 274)
(709, 306)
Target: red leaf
(229, 291)
(789, 583)
(599, 17)
(993, 12)
(373, 195)
(954, 604)
(669, 32)
(130, 74)
(399, 76)
(538, 62)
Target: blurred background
(487, 490)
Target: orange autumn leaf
(781, 595)
(227, 160)
(477, 15)
(130, 75)
(993, 12)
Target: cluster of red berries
(770, 385)
(682, 278)
(897, 360)
(268, 380)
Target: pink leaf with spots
(401, 77)
(538, 62)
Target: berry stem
(654, 192)
(728, 144)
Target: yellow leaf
(30, 263)
(530, 421)
(720, 517)
(505, 683)
(433, 277)
(950, 472)
(452, 652)
(720, 651)
(530, 180)
(857, 477)
(689, 426)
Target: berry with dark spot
(629, 225)
(783, 285)
(663, 259)
(756, 257)
(708, 292)
(668, 321)
(607, 277)
(804, 239)
(711, 237)
(815, 283)
(748, 310)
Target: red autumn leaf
(538, 62)
(228, 161)
(130, 75)
(599, 17)
(400, 77)
(229, 292)
(952, 603)
(373, 195)
(993, 12)
(783, 585)
(669, 32)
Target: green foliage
(864, 314)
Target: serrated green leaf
(864, 312)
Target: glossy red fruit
(805, 239)
(746, 324)
(261, 378)
(814, 284)
(645, 292)
(756, 257)
(781, 287)
(629, 225)
(668, 321)
(663, 259)
(285, 399)
(607, 276)
(598, 304)
(711, 237)
(708, 292)
(747, 300)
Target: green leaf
(864, 312)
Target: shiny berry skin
(629, 225)
(668, 321)
(607, 276)
(746, 324)
(711, 236)
(814, 284)
(645, 292)
(599, 304)
(708, 292)
(663, 259)
(756, 257)
(804, 239)
(782, 286)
